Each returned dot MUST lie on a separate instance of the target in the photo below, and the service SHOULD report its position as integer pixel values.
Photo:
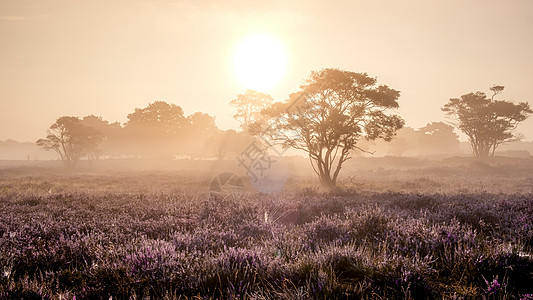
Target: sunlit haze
(107, 58)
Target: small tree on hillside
(487, 122)
(333, 110)
(71, 140)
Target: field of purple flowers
(96, 237)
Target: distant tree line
(334, 115)
(433, 139)
(160, 130)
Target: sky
(106, 58)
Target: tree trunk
(327, 181)
(481, 149)
(326, 174)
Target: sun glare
(260, 62)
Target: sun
(260, 62)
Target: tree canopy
(158, 117)
(249, 106)
(487, 122)
(71, 140)
(201, 123)
(327, 117)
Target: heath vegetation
(148, 235)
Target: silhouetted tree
(249, 106)
(488, 123)
(70, 139)
(333, 110)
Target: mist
(237, 149)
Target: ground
(396, 228)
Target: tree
(157, 118)
(198, 132)
(70, 139)
(155, 130)
(403, 143)
(201, 123)
(438, 138)
(113, 133)
(488, 123)
(333, 110)
(228, 142)
(249, 106)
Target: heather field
(395, 229)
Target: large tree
(333, 110)
(487, 122)
(71, 140)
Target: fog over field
(185, 149)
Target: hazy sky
(108, 57)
